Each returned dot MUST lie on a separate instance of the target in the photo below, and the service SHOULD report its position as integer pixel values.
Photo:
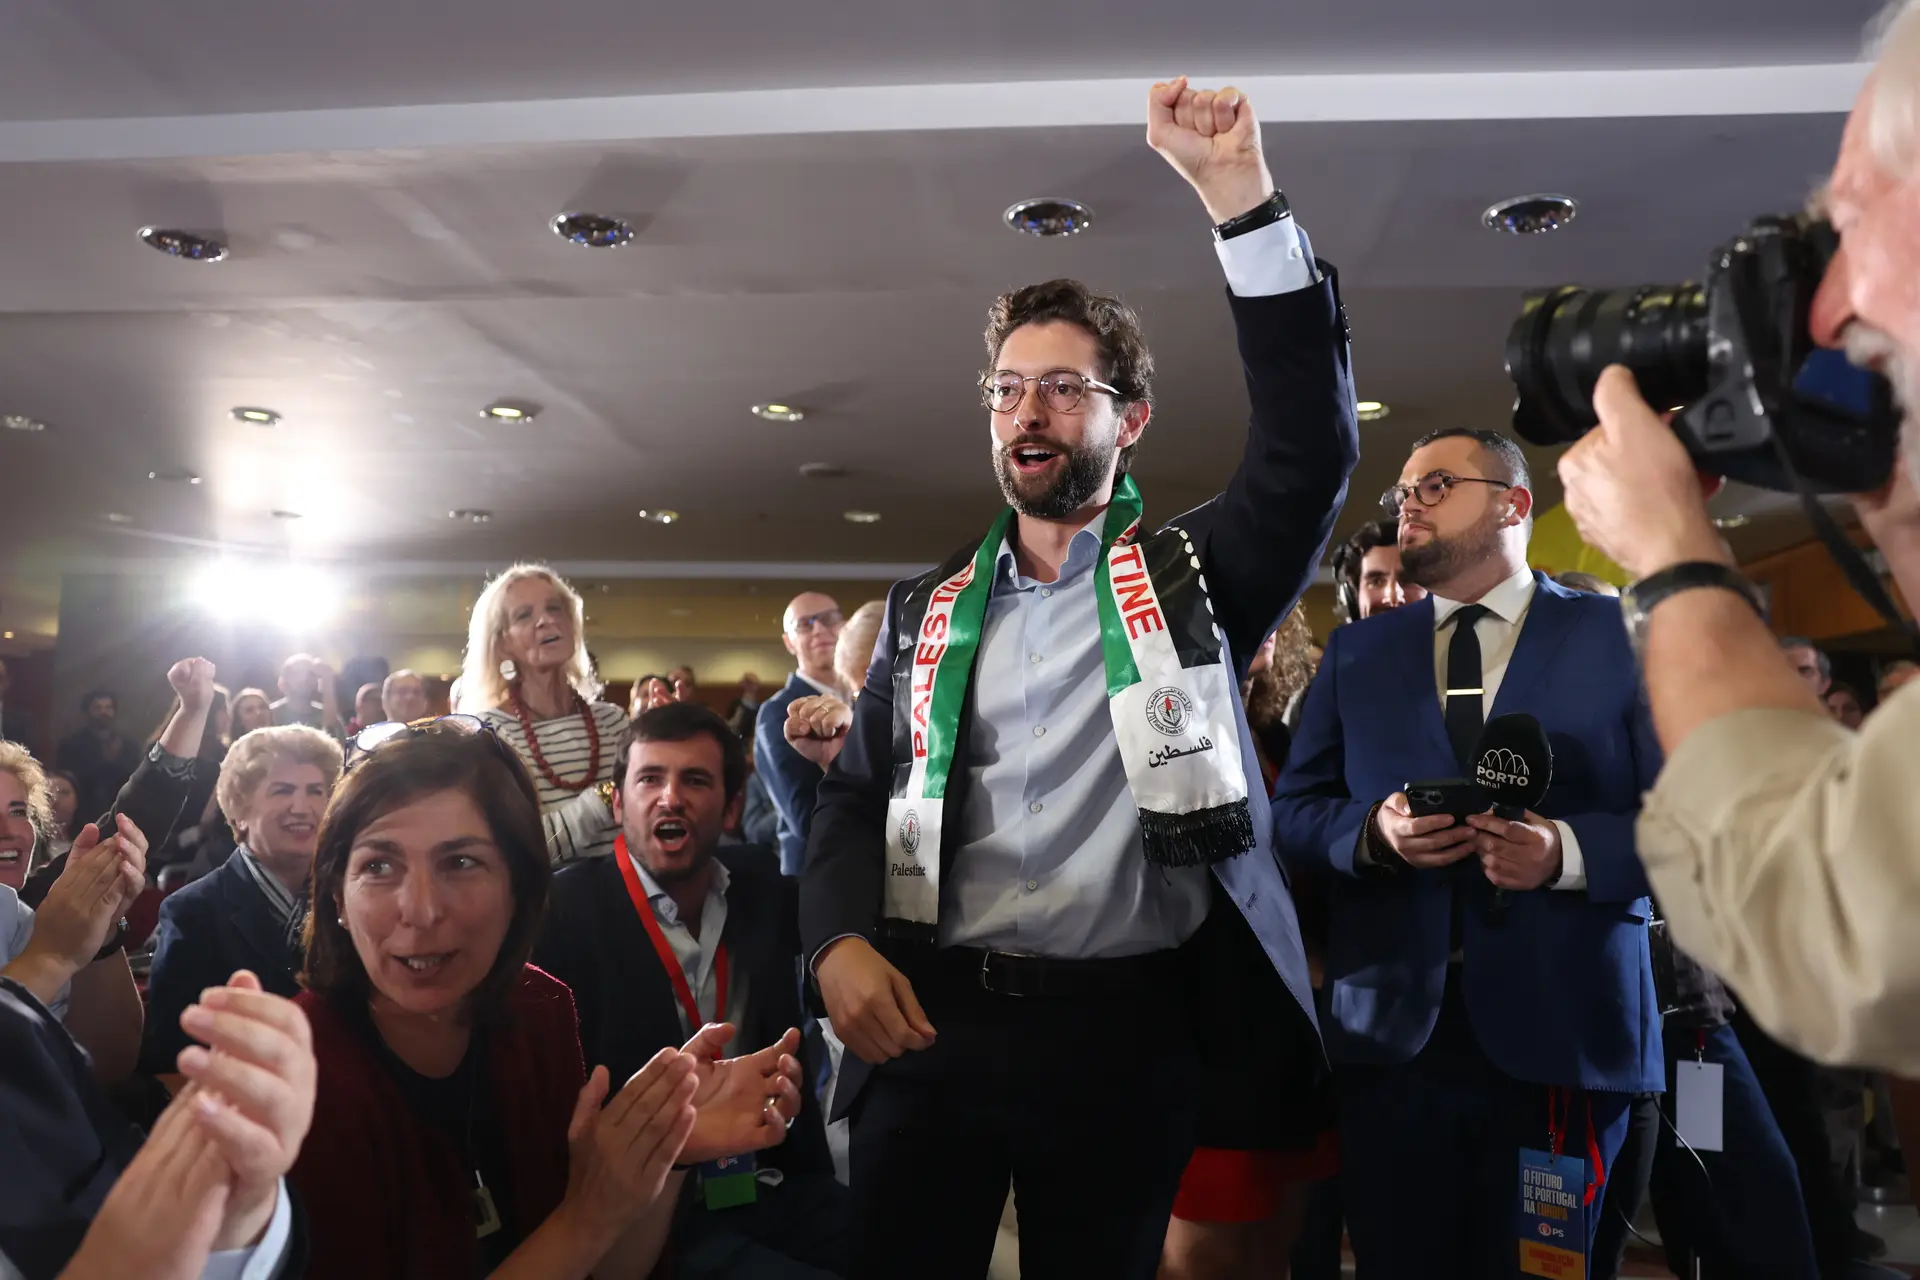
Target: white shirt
(1498, 631)
(696, 953)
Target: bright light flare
(290, 597)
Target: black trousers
(1085, 1104)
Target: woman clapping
(456, 1132)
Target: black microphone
(1512, 765)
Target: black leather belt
(1008, 974)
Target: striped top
(578, 824)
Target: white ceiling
(831, 250)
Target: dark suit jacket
(1558, 987)
(215, 925)
(1259, 542)
(150, 799)
(792, 780)
(17, 726)
(593, 941)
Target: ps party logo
(1170, 710)
(1501, 768)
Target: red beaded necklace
(533, 742)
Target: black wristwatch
(1637, 601)
(1264, 214)
(116, 941)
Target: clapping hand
(1212, 139)
(743, 1104)
(163, 1214)
(84, 905)
(620, 1155)
(252, 1088)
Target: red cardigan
(385, 1194)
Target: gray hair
(1893, 42)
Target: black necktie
(1465, 678)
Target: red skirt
(1226, 1185)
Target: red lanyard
(671, 962)
(1559, 1116)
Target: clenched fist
(192, 679)
(1211, 138)
(817, 727)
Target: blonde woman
(528, 676)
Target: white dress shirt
(1498, 630)
(696, 953)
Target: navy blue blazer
(1559, 988)
(593, 941)
(792, 781)
(219, 923)
(1259, 541)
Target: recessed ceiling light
(286, 515)
(777, 412)
(660, 515)
(6, 635)
(21, 422)
(1371, 410)
(174, 477)
(184, 244)
(473, 515)
(862, 517)
(1048, 216)
(1736, 521)
(256, 416)
(823, 470)
(117, 517)
(511, 411)
(594, 230)
(1530, 215)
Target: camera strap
(1860, 576)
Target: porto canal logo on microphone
(1501, 768)
(1170, 710)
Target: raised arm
(1262, 537)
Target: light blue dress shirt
(1049, 859)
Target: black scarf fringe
(1197, 839)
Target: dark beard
(1439, 560)
(1078, 483)
(668, 877)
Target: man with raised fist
(1039, 893)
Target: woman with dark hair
(456, 1132)
(63, 798)
(252, 709)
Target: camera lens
(1564, 337)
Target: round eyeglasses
(1429, 490)
(1061, 391)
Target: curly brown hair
(1125, 361)
(1291, 670)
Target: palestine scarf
(1170, 691)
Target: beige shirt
(1785, 851)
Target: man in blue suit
(810, 628)
(1039, 887)
(1459, 1019)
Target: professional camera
(1759, 402)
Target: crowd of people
(1074, 868)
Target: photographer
(1780, 844)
